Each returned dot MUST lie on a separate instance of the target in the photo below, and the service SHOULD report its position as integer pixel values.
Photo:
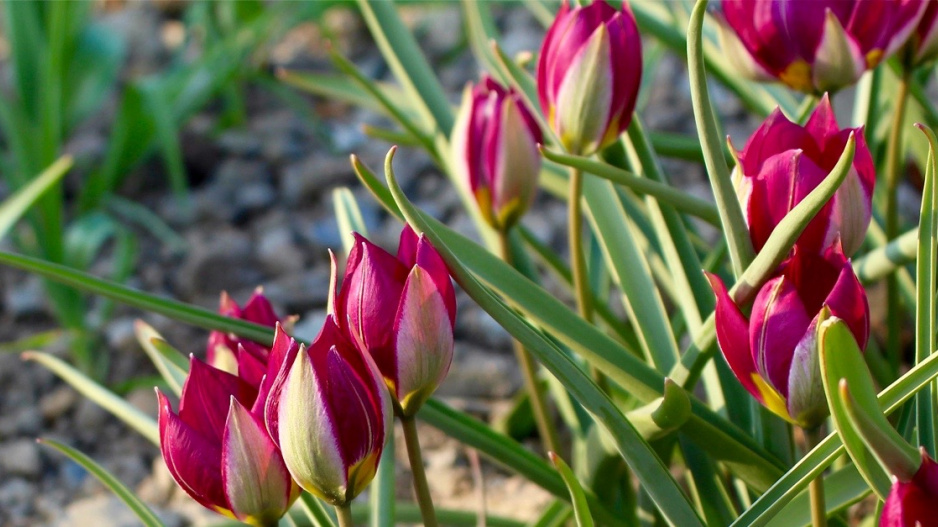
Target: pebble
(20, 457)
(55, 403)
(278, 253)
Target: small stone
(278, 253)
(478, 373)
(144, 400)
(302, 291)
(25, 297)
(16, 497)
(303, 180)
(109, 511)
(89, 418)
(54, 404)
(120, 335)
(20, 458)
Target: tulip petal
(282, 355)
(779, 322)
(733, 337)
(307, 435)
(807, 404)
(736, 52)
(259, 310)
(204, 401)
(847, 301)
(257, 484)
(839, 60)
(584, 99)
(193, 460)
(430, 261)
(424, 341)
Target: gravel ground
(261, 213)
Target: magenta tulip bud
(330, 413)
(924, 41)
(588, 74)
(218, 450)
(401, 311)
(912, 503)
(782, 162)
(774, 354)
(818, 45)
(240, 356)
(495, 142)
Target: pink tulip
(817, 45)
(588, 74)
(924, 40)
(912, 503)
(218, 449)
(495, 149)
(774, 353)
(782, 162)
(401, 311)
(330, 413)
(240, 356)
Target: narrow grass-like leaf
(316, 511)
(665, 193)
(98, 394)
(16, 205)
(925, 289)
(840, 358)
(630, 272)
(481, 31)
(171, 363)
(408, 63)
(731, 214)
(348, 215)
(190, 314)
(883, 261)
(555, 515)
(139, 508)
(381, 495)
(654, 476)
(581, 509)
(409, 513)
(842, 489)
(813, 464)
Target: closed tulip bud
(401, 310)
(495, 149)
(240, 356)
(818, 45)
(782, 162)
(330, 414)
(588, 74)
(774, 353)
(218, 449)
(911, 503)
(924, 41)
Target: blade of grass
(925, 288)
(13, 208)
(581, 510)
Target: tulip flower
(588, 74)
(330, 414)
(774, 353)
(912, 502)
(814, 46)
(924, 41)
(782, 162)
(495, 148)
(241, 356)
(401, 310)
(218, 449)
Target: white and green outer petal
(839, 61)
(424, 341)
(584, 99)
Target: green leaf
(16, 205)
(841, 360)
(925, 288)
(555, 515)
(171, 364)
(349, 216)
(316, 511)
(126, 412)
(580, 508)
(630, 272)
(813, 464)
(663, 415)
(731, 214)
(126, 495)
(665, 193)
(883, 261)
(842, 489)
(649, 469)
(381, 494)
(408, 63)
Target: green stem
(584, 299)
(344, 512)
(409, 424)
(893, 162)
(529, 370)
(816, 489)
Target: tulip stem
(584, 300)
(409, 424)
(816, 490)
(893, 163)
(344, 513)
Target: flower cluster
(774, 352)
(256, 423)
